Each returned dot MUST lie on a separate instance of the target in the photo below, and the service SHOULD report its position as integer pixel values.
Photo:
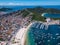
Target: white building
(48, 19)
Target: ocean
(42, 36)
(46, 15)
(15, 8)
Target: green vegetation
(37, 17)
(38, 11)
(25, 13)
(1, 39)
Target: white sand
(20, 36)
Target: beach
(20, 36)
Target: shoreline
(26, 33)
(21, 35)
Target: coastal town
(29, 22)
(11, 24)
(14, 25)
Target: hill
(36, 12)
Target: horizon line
(27, 4)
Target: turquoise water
(43, 36)
(52, 15)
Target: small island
(5, 9)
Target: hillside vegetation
(36, 12)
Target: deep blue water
(43, 36)
(51, 15)
(23, 7)
(15, 8)
(52, 6)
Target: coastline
(26, 33)
(21, 35)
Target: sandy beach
(20, 36)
